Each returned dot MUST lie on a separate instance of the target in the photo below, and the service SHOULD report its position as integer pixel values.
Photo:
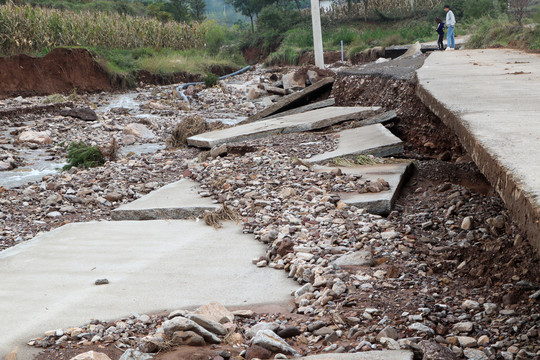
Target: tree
(518, 8)
(250, 8)
(197, 9)
(178, 9)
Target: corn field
(343, 9)
(27, 29)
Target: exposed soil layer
(60, 71)
(425, 136)
(147, 78)
(330, 57)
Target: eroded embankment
(64, 70)
(60, 71)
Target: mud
(60, 71)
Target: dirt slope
(60, 71)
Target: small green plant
(211, 80)
(84, 156)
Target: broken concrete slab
(365, 355)
(380, 203)
(311, 120)
(301, 98)
(372, 139)
(309, 107)
(178, 200)
(48, 282)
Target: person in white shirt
(451, 24)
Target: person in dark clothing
(440, 31)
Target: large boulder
(294, 80)
(85, 114)
(35, 137)
(139, 130)
(215, 311)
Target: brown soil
(60, 71)
(66, 354)
(424, 134)
(254, 55)
(148, 78)
(330, 57)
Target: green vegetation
(84, 156)
(211, 80)
(501, 32)
(25, 29)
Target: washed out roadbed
(447, 270)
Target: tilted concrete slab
(372, 139)
(178, 200)
(300, 98)
(311, 120)
(301, 109)
(490, 99)
(380, 203)
(366, 355)
(48, 282)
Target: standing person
(440, 31)
(451, 24)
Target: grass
(356, 37)
(503, 32)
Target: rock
(129, 140)
(269, 340)
(289, 332)
(470, 305)
(388, 332)
(217, 312)
(358, 258)
(183, 324)
(294, 80)
(323, 331)
(219, 150)
(313, 76)
(12, 355)
(316, 325)
(132, 354)
(101, 282)
(208, 324)
(261, 326)
(466, 341)
(435, 351)
(258, 352)
(475, 354)
(467, 223)
(390, 344)
(85, 114)
(421, 328)
(287, 192)
(490, 308)
(35, 137)
(243, 313)
(114, 196)
(187, 338)
(465, 326)
(483, 340)
(139, 130)
(91, 355)
(253, 93)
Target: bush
(211, 80)
(84, 156)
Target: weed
(189, 126)
(84, 156)
(54, 99)
(211, 80)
